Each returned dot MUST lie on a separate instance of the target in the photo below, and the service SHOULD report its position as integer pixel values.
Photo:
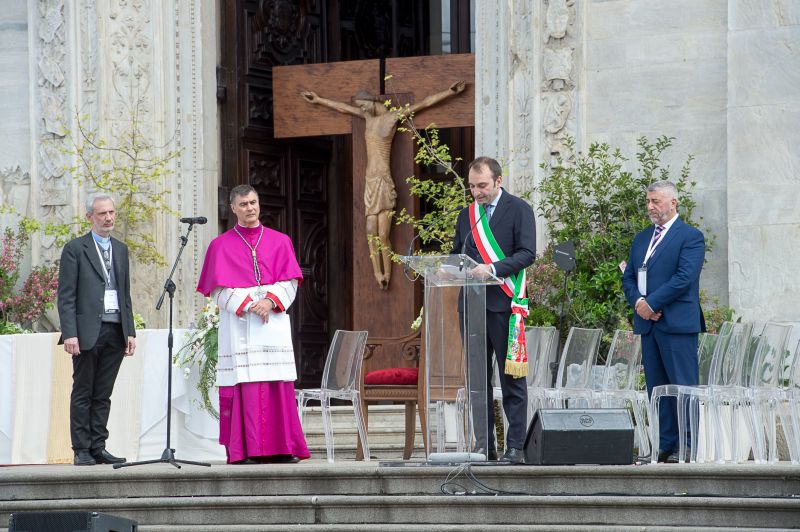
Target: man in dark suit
(513, 226)
(94, 306)
(662, 283)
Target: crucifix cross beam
(345, 98)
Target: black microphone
(196, 220)
(466, 239)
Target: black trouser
(515, 391)
(93, 374)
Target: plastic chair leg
(655, 437)
(640, 417)
(327, 426)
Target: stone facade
(719, 76)
(95, 58)
(15, 122)
(763, 158)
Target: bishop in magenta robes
(252, 273)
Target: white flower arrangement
(201, 350)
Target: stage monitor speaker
(574, 436)
(69, 522)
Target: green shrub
(596, 203)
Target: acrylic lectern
(455, 353)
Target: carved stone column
(491, 79)
(50, 195)
(527, 68)
(96, 58)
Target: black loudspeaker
(567, 437)
(69, 522)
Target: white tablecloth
(35, 382)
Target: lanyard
(102, 262)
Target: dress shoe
(668, 457)
(104, 457)
(491, 456)
(246, 461)
(84, 458)
(283, 459)
(515, 456)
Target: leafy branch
(133, 170)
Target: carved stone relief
(131, 58)
(52, 96)
(560, 37)
(520, 150)
(15, 188)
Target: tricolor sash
(514, 287)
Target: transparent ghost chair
(339, 381)
(574, 371)
(618, 386)
(758, 391)
(724, 434)
(541, 343)
(709, 348)
(790, 407)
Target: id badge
(110, 301)
(641, 280)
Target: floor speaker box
(69, 522)
(573, 436)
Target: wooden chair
(392, 372)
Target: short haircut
(487, 162)
(665, 187)
(93, 198)
(240, 190)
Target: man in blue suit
(662, 283)
(513, 225)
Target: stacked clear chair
(339, 381)
(756, 394)
(574, 372)
(542, 343)
(618, 385)
(719, 364)
(790, 406)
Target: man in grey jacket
(94, 306)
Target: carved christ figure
(379, 191)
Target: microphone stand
(168, 456)
(564, 257)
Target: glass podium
(455, 355)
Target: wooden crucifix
(381, 159)
(379, 191)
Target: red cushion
(393, 376)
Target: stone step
(415, 527)
(54, 482)
(612, 511)
(386, 432)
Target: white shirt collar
(496, 199)
(103, 240)
(669, 223)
